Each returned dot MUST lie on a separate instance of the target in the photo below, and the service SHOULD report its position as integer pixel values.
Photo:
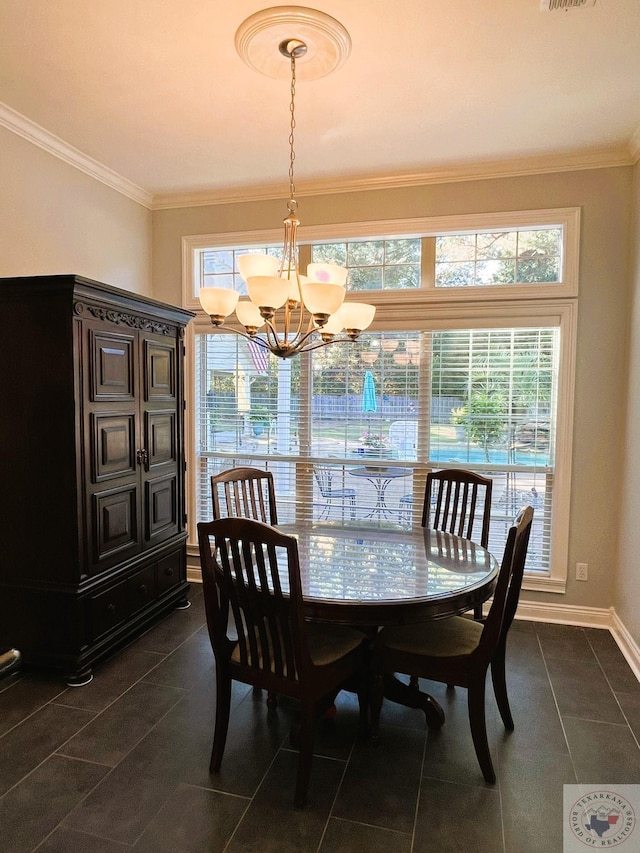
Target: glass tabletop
(432, 572)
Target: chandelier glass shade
(286, 312)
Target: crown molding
(32, 132)
(37, 135)
(600, 159)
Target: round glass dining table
(385, 576)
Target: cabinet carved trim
(120, 318)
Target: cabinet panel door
(112, 366)
(113, 445)
(161, 501)
(163, 475)
(115, 522)
(112, 428)
(159, 360)
(161, 437)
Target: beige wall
(55, 219)
(605, 197)
(627, 582)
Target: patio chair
(405, 509)
(245, 565)
(458, 651)
(324, 478)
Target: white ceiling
(155, 92)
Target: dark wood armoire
(92, 507)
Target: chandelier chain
(293, 204)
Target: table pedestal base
(390, 687)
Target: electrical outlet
(582, 570)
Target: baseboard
(586, 617)
(565, 614)
(626, 643)
(194, 575)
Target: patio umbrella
(369, 401)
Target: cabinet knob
(142, 588)
(111, 608)
(168, 571)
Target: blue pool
(497, 456)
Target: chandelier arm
(272, 334)
(287, 350)
(239, 332)
(255, 338)
(320, 344)
(297, 342)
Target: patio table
(380, 476)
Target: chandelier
(286, 312)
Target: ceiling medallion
(259, 37)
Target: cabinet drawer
(141, 589)
(108, 609)
(170, 572)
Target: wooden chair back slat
(454, 499)
(251, 560)
(244, 492)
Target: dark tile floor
(121, 764)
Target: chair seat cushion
(327, 643)
(441, 638)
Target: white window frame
(428, 308)
(566, 218)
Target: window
(475, 384)
(517, 255)
(219, 267)
(507, 257)
(375, 264)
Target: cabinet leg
(9, 661)
(79, 679)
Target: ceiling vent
(557, 5)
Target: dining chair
(454, 501)
(324, 479)
(458, 651)
(244, 492)
(254, 610)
